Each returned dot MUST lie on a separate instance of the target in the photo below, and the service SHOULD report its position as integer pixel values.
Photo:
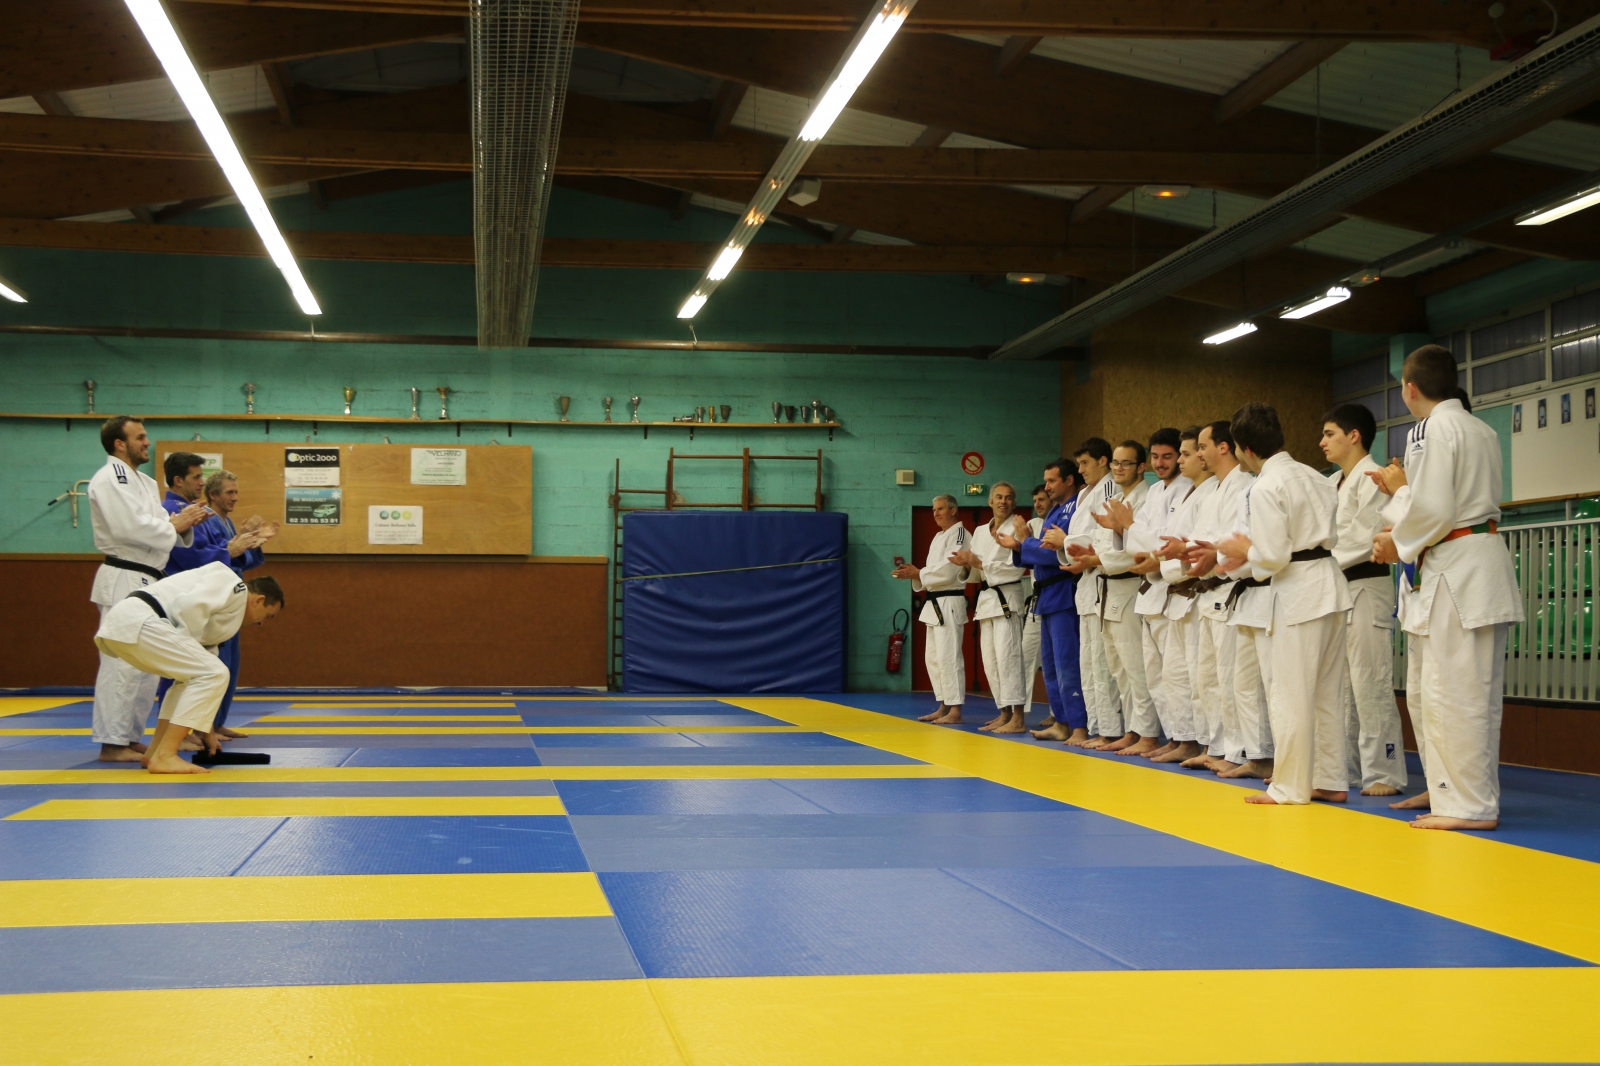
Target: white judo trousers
(947, 666)
(1122, 633)
(1100, 695)
(1373, 738)
(123, 693)
(1153, 643)
(1001, 642)
(200, 679)
(1214, 666)
(1031, 658)
(1307, 708)
(1462, 676)
(1180, 644)
(1252, 681)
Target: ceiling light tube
(1569, 205)
(12, 293)
(865, 49)
(154, 20)
(1231, 333)
(1336, 295)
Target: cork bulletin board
(381, 499)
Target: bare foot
(1200, 761)
(1121, 742)
(1013, 724)
(189, 743)
(1220, 767)
(1381, 790)
(1053, 731)
(1329, 796)
(138, 747)
(120, 753)
(1261, 797)
(1439, 821)
(1164, 749)
(1077, 738)
(1261, 768)
(951, 717)
(171, 764)
(1419, 802)
(231, 734)
(1183, 752)
(991, 724)
(1144, 746)
(931, 715)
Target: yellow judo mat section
(773, 880)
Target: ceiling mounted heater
(521, 57)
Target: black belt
(1187, 589)
(155, 604)
(1126, 575)
(1361, 570)
(1308, 554)
(138, 568)
(1239, 586)
(1208, 584)
(935, 597)
(1004, 604)
(1056, 578)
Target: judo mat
(745, 879)
(742, 601)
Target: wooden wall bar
(350, 620)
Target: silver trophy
(829, 416)
(788, 412)
(415, 395)
(443, 391)
(90, 386)
(777, 412)
(726, 411)
(250, 398)
(608, 408)
(349, 395)
(635, 401)
(699, 414)
(566, 405)
(816, 412)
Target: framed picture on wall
(1588, 403)
(1516, 418)
(1566, 408)
(1544, 415)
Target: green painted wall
(913, 412)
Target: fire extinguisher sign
(972, 463)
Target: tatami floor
(572, 878)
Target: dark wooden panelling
(1549, 736)
(350, 622)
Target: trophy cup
(566, 404)
(816, 412)
(726, 411)
(777, 412)
(443, 391)
(699, 414)
(415, 393)
(349, 394)
(250, 398)
(635, 401)
(608, 408)
(788, 412)
(90, 386)
(829, 416)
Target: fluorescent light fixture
(1231, 333)
(1336, 295)
(12, 293)
(158, 29)
(871, 38)
(881, 29)
(724, 264)
(1570, 205)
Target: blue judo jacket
(210, 543)
(1059, 595)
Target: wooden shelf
(268, 419)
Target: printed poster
(311, 507)
(438, 466)
(394, 524)
(308, 468)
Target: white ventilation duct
(1544, 85)
(521, 56)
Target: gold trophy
(443, 391)
(90, 386)
(250, 398)
(608, 408)
(349, 395)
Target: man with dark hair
(1290, 513)
(1250, 615)
(1181, 650)
(1100, 696)
(1054, 589)
(1373, 739)
(1466, 592)
(172, 628)
(1031, 623)
(136, 536)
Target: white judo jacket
(1218, 519)
(1294, 508)
(1091, 501)
(998, 569)
(1161, 504)
(1453, 475)
(129, 523)
(1116, 557)
(207, 604)
(1182, 524)
(941, 575)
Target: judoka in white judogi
(999, 613)
(1168, 681)
(945, 612)
(1121, 629)
(1100, 694)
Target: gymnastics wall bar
(745, 503)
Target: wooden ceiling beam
(1276, 76)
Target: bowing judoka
(1000, 607)
(1120, 625)
(172, 629)
(1465, 596)
(1181, 649)
(136, 536)
(1055, 602)
(944, 611)
(1031, 624)
(1293, 510)
(1373, 740)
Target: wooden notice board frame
(492, 514)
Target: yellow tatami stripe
(267, 775)
(27, 704)
(989, 1019)
(386, 704)
(289, 719)
(1535, 896)
(291, 807)
(89, 901)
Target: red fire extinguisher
(897, 639)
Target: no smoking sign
(972, 463)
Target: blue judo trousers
(1058, 614)
(211, 546)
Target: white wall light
(1570, 205)
(159, 30)
(1336, 295)
(1231, 333)
(12, 293)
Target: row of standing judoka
(1237, 612)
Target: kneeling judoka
(172, 629)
